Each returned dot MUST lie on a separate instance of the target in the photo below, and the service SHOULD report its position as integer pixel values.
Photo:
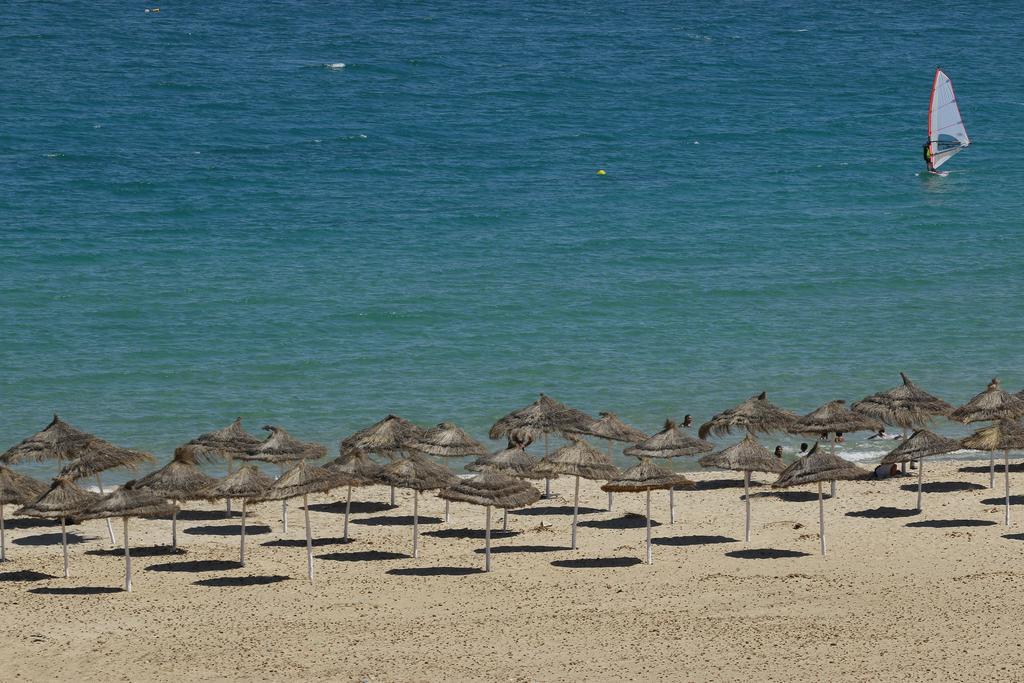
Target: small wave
(335, 65)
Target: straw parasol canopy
(542, 417)
(990, 405)
(834, 417)
(670, 442)
(389, 437)
(907, 406)
(281, 447)
(746, 456)
(514, 462)
(610, 427)
(301, 480)
(179, 480)
(128, 502)
(419, 474)
(248, 483)
(645, 476)
(921, 444)
(578, 459)
(447, 440)
(228, 443)
(814, 468)
(491, 489)
(1005, 436)
(63, 499)
(16, 489)
(353, 468)
(755, 415)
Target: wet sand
(901, 595)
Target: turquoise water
(199, 219)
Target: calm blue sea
(313, 214)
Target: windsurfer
(928, 156)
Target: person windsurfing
(928, 156)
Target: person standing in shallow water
(778, 452)
(687, 420)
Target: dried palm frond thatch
(16, 489)
(419, 474)
(907, 406)
(746, 456)
(491, 489)
(836, 418)
(610, 427)
(814, 468)
(280, 447)
(389, 437)
(62, 500)
(756, 415)
(577, 459)
(514, 462)
(990, 405)
(228, 442)
(645, 476)
(1002, 435)
(447, 440)
(247, 483)
(670, 442)
(921, 444)
(353, 468)
(179, 480)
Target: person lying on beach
(886, 471)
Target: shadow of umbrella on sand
(16, 489)
(610, 428)
(281, 448)
(179, 480)
(491, 489)
(814, 468)
(301, 480)
(989, 406)
(388, 438)
(645, 476)
(747, 456)
(419, 474)
(127, 502)
(670, 442)
(578, 459)
(227, 443)
(447, 440)
(63, 499)
(247, 483)
(920, 445)
(353, 469)
(84, 454)
(543, 417)
(1005, 436)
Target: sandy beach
(899, 596)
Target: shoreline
(921, 595)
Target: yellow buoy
(600, 171)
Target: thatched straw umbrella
(247, 483)
(179, 480)
(988, 406)
(128, 502)
(302, 480)
(907, 406)
(646, 476)
(15, 489)
(354, 468)
(88, 454)
(63, 499)
(281, 447)
(921, 444)
(542, 417)
(388, 438)
(228, 443)
(419, 474)
(670, 442)
(491, 489)
(747, 456)
(446, 440)
(756, 415)
(1005, 436)
(610, 428)
(513, 461)
(834, 417)
(578, 459)
(814, 468)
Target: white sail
(946, 132)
